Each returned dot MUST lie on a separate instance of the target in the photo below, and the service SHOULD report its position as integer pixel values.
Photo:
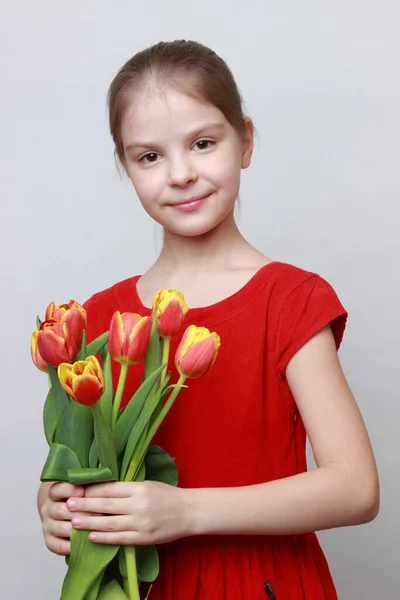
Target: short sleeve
(307, 309)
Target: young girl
(240, 525)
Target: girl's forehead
(158, 108)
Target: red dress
(239, 426)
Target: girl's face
(184, 159)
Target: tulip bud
(129, 337)
(170, 308)
(59, 342)
(36, 357)
(197, 351)
(83, 381)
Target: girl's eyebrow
(194, 134)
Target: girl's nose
(181, 172)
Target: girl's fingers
(115, 523)
(60, 491)
(108, 506)
(60, 529)
(114, 489)
(118, 537)
(58, 545)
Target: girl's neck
(216, 249)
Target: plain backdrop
(321, 81)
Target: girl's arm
(343, 490)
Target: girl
(240, 524)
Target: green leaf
(75, 430)
(61, 400)
(93, 458)
(59, 460)
(106, 401)
(152, 359)
(94, 590)
(87, 563)
(147, 563)
(97, 345)
(85, 476)
(138, 433)
(112, 591)
(82, 354)
(122, 563)
(133, 409)
(160, 466)
(104, 441)
(38, 322)
(49, 417)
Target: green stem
(118, 394)
(133, 584)
(164, 359)
(136, 460)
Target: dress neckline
(227, 305)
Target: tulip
(36, 357)
(197, 351)
(83, 381)
(129, 337)
(59, 342)
(170, 308)
(128, 342)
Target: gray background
(321, 81)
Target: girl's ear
(247, 143)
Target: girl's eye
(151, 157)
(204, 144)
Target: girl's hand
(137, 513)
(56, 518)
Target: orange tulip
(170, 308)
(129, 337)
(36, 357)
(197, 351)
(83, 381)
(59, 342)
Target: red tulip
(59, 342)
(197, 351)
(36, 357)
(60, 336)
(83, 381)
(129, 337)
(170, 308)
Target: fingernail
(93, 537)
(71, 503)
(76, 522)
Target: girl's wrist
(195, 512)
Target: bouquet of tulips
(92, 440)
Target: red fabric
(238, 426)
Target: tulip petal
(35, 354)
(65, 371)
(139, 340)
(49, 311)
(87, 389)
(116, 337)
(51, 344)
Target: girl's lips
(191, 205)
